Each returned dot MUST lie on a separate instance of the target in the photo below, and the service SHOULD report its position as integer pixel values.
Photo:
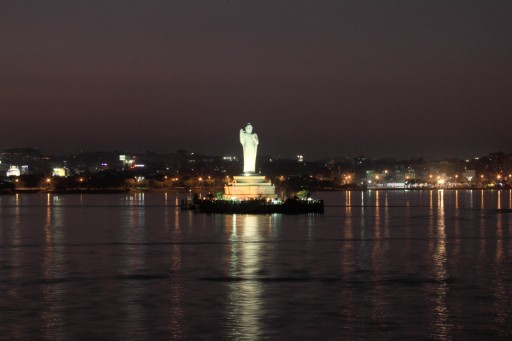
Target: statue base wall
(249, 187)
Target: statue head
(248, 128)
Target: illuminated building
(13, 171)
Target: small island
(252, 193)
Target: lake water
(377, 265)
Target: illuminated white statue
(249, 141)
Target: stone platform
(249, 186)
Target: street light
(48, 183)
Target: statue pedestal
(249, 187)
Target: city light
(340, 175)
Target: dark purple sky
(321, 78)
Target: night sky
(320, 78)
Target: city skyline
(324, 79)
(237, 155)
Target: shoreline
(206, 190)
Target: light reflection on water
(382, 265)
(245, 305)
(348, 219)
(53, 272)
(133, 264)
(441, 324)
(457, 227)
(378, 311)
(177, 310)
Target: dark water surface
(376, 265)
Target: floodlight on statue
(249, 185)
(249, 141)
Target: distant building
(410, 174)
(468, 175)
(127, 161)
(13, 171)
(31, 158)
(360, 160)
(60, 171)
